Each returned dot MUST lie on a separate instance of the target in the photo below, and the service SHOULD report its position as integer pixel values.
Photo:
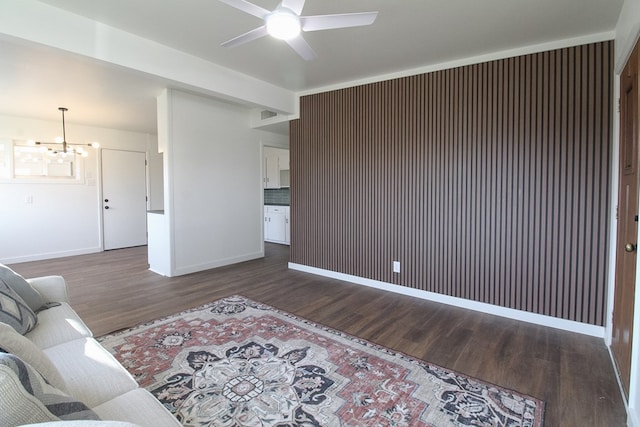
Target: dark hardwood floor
(572, 373)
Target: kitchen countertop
(276, 204)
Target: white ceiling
(407, 35)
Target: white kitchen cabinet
(271, 169)
(287, 230)
(277, 228)
(276, 160)
(283, 159)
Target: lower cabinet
(277, 228)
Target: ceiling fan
(286, 23)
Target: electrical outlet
(396, 266)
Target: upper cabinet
(283, 159)
(271, 177)
(276, 167)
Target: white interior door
(124, 198)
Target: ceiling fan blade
(294, 5)
(247, 7)
(343, 20)
(302, 48)
(246, 37)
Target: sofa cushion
(90, 372)
(58, 325)
(13, 342)
(14, 311)
(27, 397)
(18, 283)
(137, 406)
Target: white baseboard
(631, 416)
(158, 272)
(49, 255)
(180, 271)
(525, 316)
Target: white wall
(50, 26)
(213, 184)
(627, 32)
(64, 218)
(155, 178)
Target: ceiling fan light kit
(286, 23)
(283, 24)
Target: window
(39, 161)
(27, 160)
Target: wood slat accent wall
(489, 182)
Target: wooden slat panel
(488, 182)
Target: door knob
(106, 200)
(106, 207)
(630, 247)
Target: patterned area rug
(236, 362)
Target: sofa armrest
(52, 288)
(81, 423)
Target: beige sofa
(62, 350)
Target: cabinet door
(287, 231)
(266, 223)
(283, 159)
(277, 226)
(271, 170)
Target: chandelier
(66, 148)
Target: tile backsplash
(277, 196)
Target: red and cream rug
(236, 362)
